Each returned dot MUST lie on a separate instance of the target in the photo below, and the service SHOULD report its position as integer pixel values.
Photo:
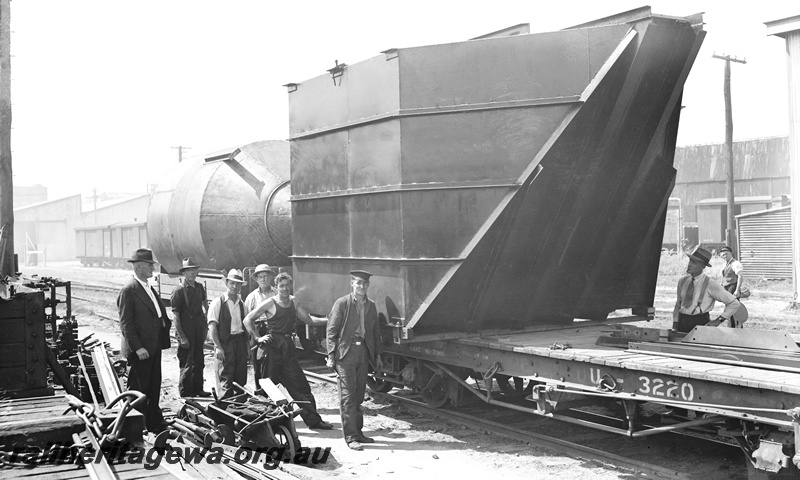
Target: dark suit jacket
(138, 319)
(341, 329)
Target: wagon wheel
(378, 384)
(436, 395)
(513, 385)
(286, 441)
(434, 389)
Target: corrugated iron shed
(765, 243)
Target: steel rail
(573, 449)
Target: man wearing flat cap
(354, 340)
(263, 276)
(225, 315)
(142, 320)
(697, 295)
(191, 327)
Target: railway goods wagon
(507, 194)
(497, 182)
(229, 209)
(109, 245)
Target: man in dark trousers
(697, 294)
(354, 340)
(225, 315)
(277, 359)
(191, 327)
(143, 320)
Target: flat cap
(360, 274)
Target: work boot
(365, 439)
(355, 445)
(322, 425)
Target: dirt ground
(409, 444)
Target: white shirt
(714, 293)
(254, 299)
(236, 318)
(150, 294)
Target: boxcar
(109, 245)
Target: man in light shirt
(263, 275)
(225, 315)
(697, 295)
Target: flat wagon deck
(740, 383)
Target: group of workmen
(259, 329)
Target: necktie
(688, 297)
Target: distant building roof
(738, 200)
(35, 205)
(116, 201)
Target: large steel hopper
(498, 182)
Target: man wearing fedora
(191, 327)
(143, 321)
(225, 315)
(354, 341)
(263, 275)
(697, 295)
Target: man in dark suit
(143, 319)
(354, 340)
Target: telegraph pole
(180, 152)
(730, 238)
(7, 267)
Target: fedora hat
(142, 255)
(701, 255)
(235, 276)
(188, 263)
(262, 268)
(361, 274)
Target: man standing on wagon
(697, 295)
(354, 340)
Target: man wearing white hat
(229, 336)
(264, 276)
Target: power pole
(7, 267)
(180, 152)
(730, 238)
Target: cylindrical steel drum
(228, 210)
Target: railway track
(665, 456)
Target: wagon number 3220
(670, 389)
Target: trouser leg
(351, 391)
(293, 378)
(145, 376)
(242, 351)
(198, 359)
(226, 369)
(185, 377)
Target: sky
(103, 91)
